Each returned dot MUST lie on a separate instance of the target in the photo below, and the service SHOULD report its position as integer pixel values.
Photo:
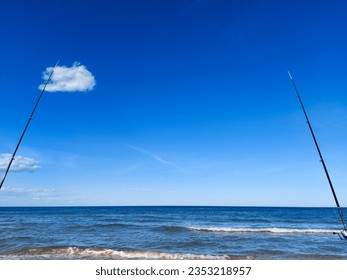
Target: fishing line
(27, 124)
(344, 231)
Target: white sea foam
(263, 230)
(100, 253)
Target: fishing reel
(342, 234)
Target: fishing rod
(26, 126)
(344, 231)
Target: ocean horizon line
(168, 206)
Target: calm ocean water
(170, 233)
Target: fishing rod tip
(57, 63)
(290, 76)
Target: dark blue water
(170, 233)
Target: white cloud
(74, 78)
(19, 164)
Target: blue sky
(192, 103)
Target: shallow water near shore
(170, 233)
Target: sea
(170, 232)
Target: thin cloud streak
(153, 156)
(190, 6)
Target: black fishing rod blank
(344, 231)
(26, 126)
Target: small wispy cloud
(74, 78)
(153, 156)
(12, 196)
(19, 163)
(141, 190)
(32, 192)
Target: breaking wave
(263, 230)
(101, 253)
